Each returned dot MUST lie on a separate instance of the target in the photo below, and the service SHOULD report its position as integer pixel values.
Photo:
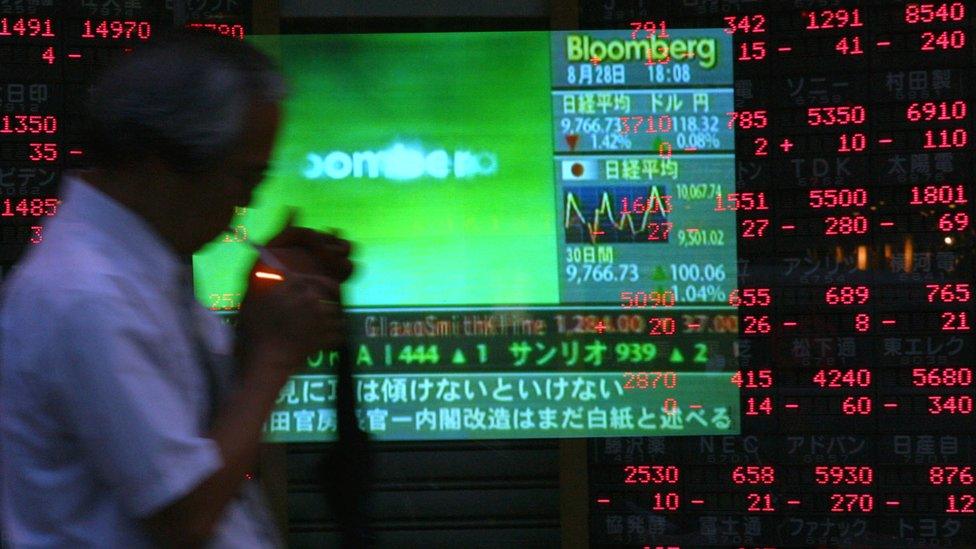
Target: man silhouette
(130, 416)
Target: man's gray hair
(182, 98)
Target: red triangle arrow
(571, 140)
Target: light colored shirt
(103, 397)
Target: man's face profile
(214, 195)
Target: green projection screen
(535, 232)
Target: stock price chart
(851, 214)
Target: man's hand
(302, 314)
(312, 252)
(292, 319)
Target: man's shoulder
(58, 277)
(50, 298)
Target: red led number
(650, 380)
(856, 406)
(851, 503)
(752, 51)
(34, 207)
(651, 474)
(836, 116)
(755, 407)
(30, 28)
(849, 46)
(948, 293)
(666, 502)
(950, 222)
(942, 111)
(760, 503)
(747, 24)
(942, 377)
(838, 198)
(234, 31)
(962, 404)
(747, 120)
(665, 149)
(659, 231)
(942, 194)
(955, 322)
(847, 474)
(117, 30)
(750, 297)
(832, 19)
(754, 228)
(650, 28)
(757, 324)
(839, 379)
(762, 146)
(855, 142)
(845, 225)
(753, 379)
(753, 474)
(655, 203)
(929, 13)
(669, 406)
(28, 124)
(945, 40)
(740, 201)
(662, 326)
(43, 152)
(951, 474)
(945, 139)
(663, 124)
(640, 300)
(960, 503)
(847, 295)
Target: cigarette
(269, 258)
(269, 276)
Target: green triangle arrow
(676, 355)
(659, 273)
(458, 357)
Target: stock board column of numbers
(871, 305)
(30, 124)
(853, 211)
(931, 198)
(96, 35)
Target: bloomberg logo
(400, 163)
